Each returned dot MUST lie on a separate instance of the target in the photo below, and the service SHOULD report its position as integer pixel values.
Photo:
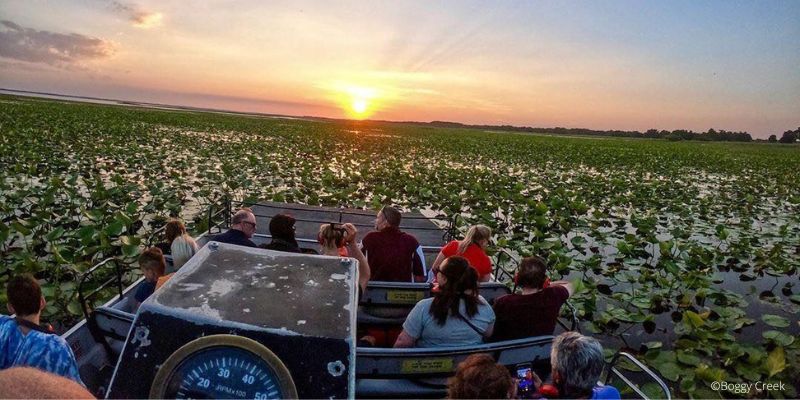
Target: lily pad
(775, 320)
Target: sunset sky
(732, 65)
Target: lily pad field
(685, 253)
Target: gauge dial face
(215, 369)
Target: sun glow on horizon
(357, 102)
(359, 106)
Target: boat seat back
(388, 303)
(423, 372)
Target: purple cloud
(58, 49)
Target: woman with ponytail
(456, 316)
(473, 248)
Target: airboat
(238, 322)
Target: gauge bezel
(165, 372)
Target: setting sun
(359, 106)
(357, 102)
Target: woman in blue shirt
(455, 316)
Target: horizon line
(252, 113)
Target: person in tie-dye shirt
(23, 342)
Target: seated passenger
(331, 239)
(455, 316)
(31, 383)
(23, 342)
(577, 362)
(535, 311)
(243, 227)
(480, 377)
(152, 263)
(393, 255)
(281, 228)
(183, 246)
(473, 248)
(341, 240)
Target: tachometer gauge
(223, 367)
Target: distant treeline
(788, 137)
(678, 134)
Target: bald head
(32, 383)
(244, 220)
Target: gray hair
(578, 360)
(241, 216)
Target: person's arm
(485, 267)
(412, 327)
(566, 285)
(418, 266)
(489, 331)
(405, 340)
(435, 267)
(355, 252)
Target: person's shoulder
(52, 341)
(556, 291)
(369, 237)
(483, 300)
(409, 238)
(506, 299)
(220, 236)
(424, 303)
(606, 392)
(6, 324)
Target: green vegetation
(685, 251)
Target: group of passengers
(456, 315)
(576, 363)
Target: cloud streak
(138, 17)
(56, 49)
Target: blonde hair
(182, 249)
(331, 236)
(475, 234)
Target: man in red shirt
(392, 254)
(534, 312)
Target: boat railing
(450, 230)
(116, 279)
(502, 274)
(614, 374)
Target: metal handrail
(574, 322)
(341, 212)
(498, 269)
(614, 371)
(153, 235)
(84, 299)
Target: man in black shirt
(243, 227)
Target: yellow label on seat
(427, 365)
(404, 296)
